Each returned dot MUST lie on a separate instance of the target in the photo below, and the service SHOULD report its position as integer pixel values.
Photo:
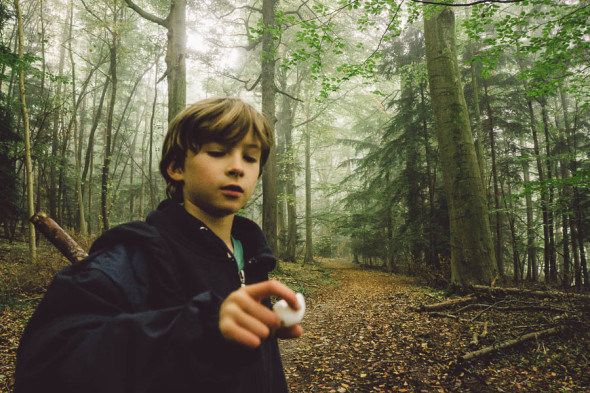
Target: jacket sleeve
(95, 332)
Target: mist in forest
(411, 138)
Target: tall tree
(267, 80)
(175, 24)
(27, 134)
(77, 148)
(472, 252)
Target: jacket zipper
(242, 278)
(241, 273)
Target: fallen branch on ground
(511, 343)
(448, 303)
(58, 237)
(526, 292)
(451, 316)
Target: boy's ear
(175, 172)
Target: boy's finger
(289, 332)
(260, 312)
(252, 325)
(233, 332)
(272, 288)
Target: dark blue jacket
(140, 314)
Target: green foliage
(9, 138)
(9, 205)
(326, 47)
(552, 33)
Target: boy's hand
(243, 319)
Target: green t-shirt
(238, 252)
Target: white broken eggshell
(286, 314)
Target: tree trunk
(79, 196)
(104, 195)
(478, 133)
(532, 274)
(540, 171)
(288, 108)
(175, 23)
(56, 173)
(26, 131)
(498, 215)
(472, 252)
(541, 175)
(269, 176)
(552, 257)
(432, 250)
(90, 147)
(517, 273)
(411, 171)
(308, 258)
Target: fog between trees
(455, 147)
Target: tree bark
(432, 250)
(269, 176)
(90, 147)
(58, 237)
(472, 252)
(532, 274)
(285, 120)
(77, 158)
(55, 172)
(478, 133)
(175, 23)
(544, 203)
(513, 342)
(498, 214)
(26, 131)
(551, 252)
(105, 183)
(308, 258)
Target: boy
(179, 302)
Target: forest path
(362, 335)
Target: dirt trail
(363, 335)
(358, 336)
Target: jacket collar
(176, 220)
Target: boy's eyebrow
(253, 146)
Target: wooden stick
(526, 292)
(451, 316)
(58, 237)
(511, 343)
(448, 303)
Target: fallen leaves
(13, 319)
(363, 335)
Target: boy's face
(219, 180)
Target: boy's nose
(236, 166)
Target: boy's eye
(251, 159)
(214, 153)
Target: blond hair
(221, 120)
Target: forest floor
(362, 333)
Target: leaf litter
(364, 335)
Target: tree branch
(243, 7)
(288, 95)
(96, 17)
(513, 342)
(467, 4)
(386, 29)
(58, 237)
(147, 15)
(255, 83)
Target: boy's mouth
(233, 187)
(232, 191)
